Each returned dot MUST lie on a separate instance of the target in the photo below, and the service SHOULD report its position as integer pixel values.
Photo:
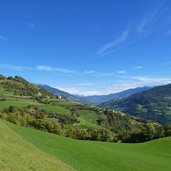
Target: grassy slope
(16, 102)
(88, 118)
(54, 108)
(18, 154)
(87, 155)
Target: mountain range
(95, 99)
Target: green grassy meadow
(16, 102)
(54, 108)
(88, 118)
(18, 154)
(90, 155)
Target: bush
(46, 125)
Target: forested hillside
(154, 104)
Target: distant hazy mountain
(94, 99)
(56, 91)
(103, 98)
(154, 104)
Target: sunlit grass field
(89, 155)
(18, 154)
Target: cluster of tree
(115, 126)
(101, 134)
(63, 119)
(47, 125)
(31, 116)
(115, 121)
(131, 129)
(149, 132)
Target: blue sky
(87, 47)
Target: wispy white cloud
(54, 69)
(3, 38)
(152, 80)
(17, 68)
(77, 90)
(141, 26)
(156, 17)
(86, 84)
(148, 20)
(145, 80)
(138, 81)
(121, 87)
(70, 89)
(38, 68)
(104, 74)
(137, 30)
(89, 71)
(114, 44)
(122, 72)
(98, 74)
(139, 67)
(44, 68)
